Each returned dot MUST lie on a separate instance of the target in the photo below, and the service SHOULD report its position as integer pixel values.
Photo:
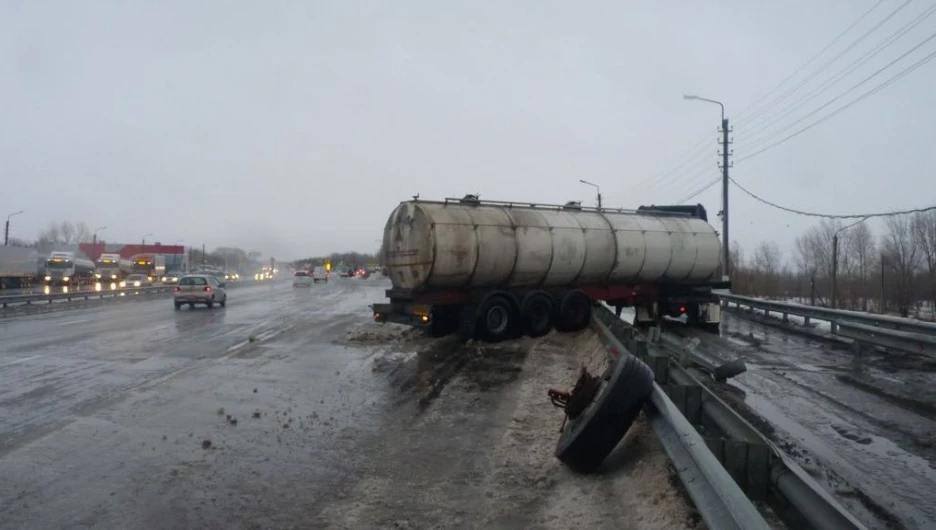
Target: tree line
(891, 272)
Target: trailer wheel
(495, 319)
(574, 312)
(589, 438)
(536, 314)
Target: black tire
(224, 302)
(586, 441)
(536, 314)
(191, 305)
(496, 319)
(178, 306)
(210, 303)
(574, 312)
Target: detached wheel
(536, 314)
(589, 438)
(574, 312)
(495, 319)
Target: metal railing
(732, 448)
(903, 334)
(17, 300)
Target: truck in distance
(151, 265)
(64, 268)
(111, 268)
(494, 270)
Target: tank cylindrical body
(456, 245)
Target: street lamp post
(724, 153)
(596, 187)
(6, 229)
(143, 242)
(835, 262)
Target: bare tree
(862, 251)
(902, 252)
(924, 231)
(767, 263)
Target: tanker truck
(64, 268)
(111, 268)
(494, 270)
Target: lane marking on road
(67, 322)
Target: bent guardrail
(758, 467)
(904, 334)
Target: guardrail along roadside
(904, 334)
(725, 463)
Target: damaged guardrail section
(723, 461)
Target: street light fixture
(143, 242)
(6, 228)
(596, 187)
(724, 153)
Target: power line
(848, 69)
(809, 61)
(830, 216)
(831, 61)
(871, 92)
(701, 190)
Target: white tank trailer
(493, 269)
(65, 268)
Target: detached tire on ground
(588, 439)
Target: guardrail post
(834, 326)
(786, 318)
(805, 321)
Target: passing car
(199, 289)
(137, 280)
(319, 274)
(302, 279)
(171, 277)
(231, 276)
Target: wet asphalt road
(870, 448)
(104, 412)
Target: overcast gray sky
(294, 128)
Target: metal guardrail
(904, 334)
(32, 299)
(753, 464)
(29, 299)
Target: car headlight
(136, 284)
(123, 284)
(64, 278)
(113, 276)
(164, 278)
(97, 275)
(47, 278)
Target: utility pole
(203, 255)
(725, 165)
(725, 153)
(598, 189)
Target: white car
(137, 280)
(302, 279)
(319, 274)
(199, 289)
